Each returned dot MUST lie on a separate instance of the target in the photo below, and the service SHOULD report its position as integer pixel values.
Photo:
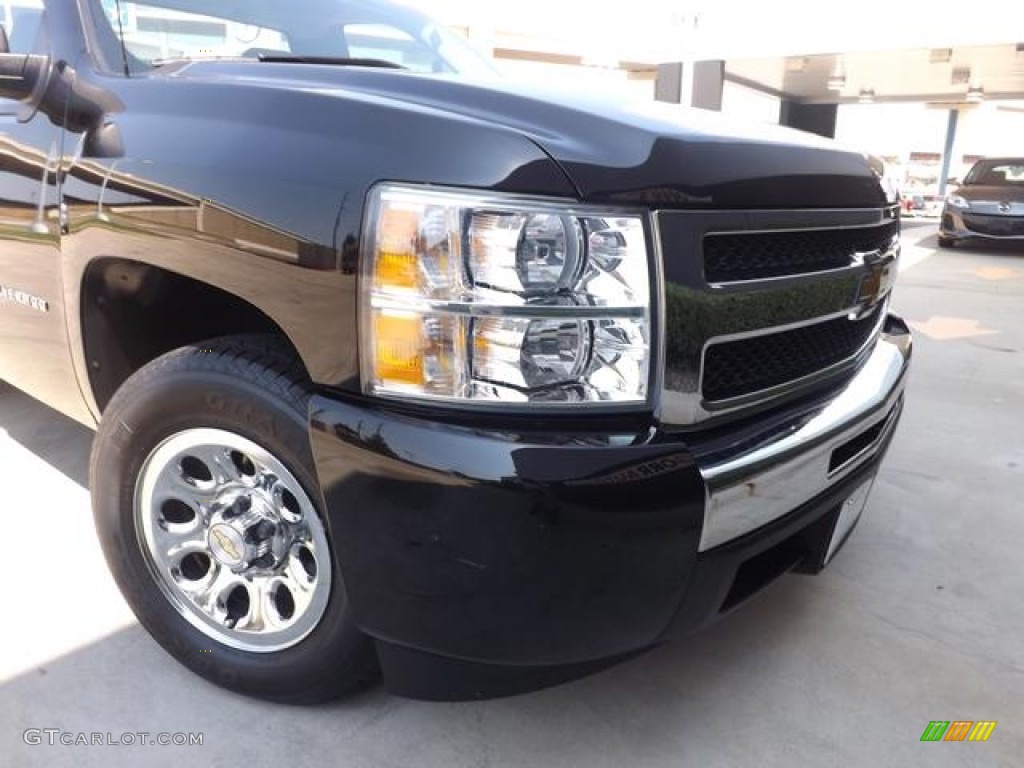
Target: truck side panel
(34, 353)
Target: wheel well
(133, 312)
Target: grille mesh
(1012, 226)
(737, 368)
(752, 256)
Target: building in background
(615, 49)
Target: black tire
(945, 242)
(251, 386)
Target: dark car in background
(989, 204)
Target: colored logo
(226, 544)
(877, 282)
(958, 730)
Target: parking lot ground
(919, 618)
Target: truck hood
(636, 154)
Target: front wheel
(205, 502)
(945, 242)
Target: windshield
(156, 32)
(997, 173)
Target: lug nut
(261, 531)
(263, 561)
(240, 506)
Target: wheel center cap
(227, 544)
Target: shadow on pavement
(652, 705)
(1010, 248)
(61, 442)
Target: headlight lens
(490, 299)
(957, 201)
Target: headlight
(493, 299)
(957, 201)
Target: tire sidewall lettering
(227, 406)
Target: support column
(705, 92)
(813, 118)
(669, 85)
(708, 79)
(947, 151)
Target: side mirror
(51, 89)
(79, 107)
(21, 73)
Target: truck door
(34, 348)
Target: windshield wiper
(338, 61)
(287, 58)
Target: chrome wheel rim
(233, 540)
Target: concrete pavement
(918, 619)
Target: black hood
(645, 154)
(656, 154)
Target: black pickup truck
(397, 367)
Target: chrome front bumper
(800, 460)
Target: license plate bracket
(849, 514)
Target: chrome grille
(800, 306)
(738, 368)
(742, 256)
(1005, 226)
